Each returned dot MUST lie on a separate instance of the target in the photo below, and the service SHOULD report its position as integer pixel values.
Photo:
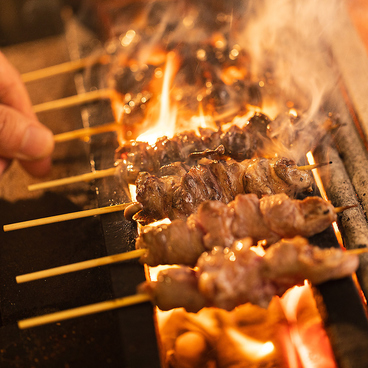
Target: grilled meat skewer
(217, 224)
(178, 190)
(239, 144)
(231, 276)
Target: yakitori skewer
(110, 172)
(75, 100)
(67, 67)
(167, 249)
(104, 261)
(86, 133)
(65, 217)
(262, 279)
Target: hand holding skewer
(22, 136)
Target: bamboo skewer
(74, 179)
(88, 213)
(56, 271)
(103, 261)
(84, 311)
(104, 306)
(343, 208)
(107, 172)
(74, 100)
(65, 217)
(313, 166)
(86, 132)
(69, 66)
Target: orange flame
(322, 190)
(166, 121)
(309, 338)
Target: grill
(127, 337)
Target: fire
(308, 346)
(252, 349)
(322, 190)
(166, 121)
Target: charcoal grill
(127, 337)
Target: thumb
(22, 137)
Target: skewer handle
(84, 311)
(86, 132)
(63, 68)
(65, 217)
(73, 179)
(74, 100)
(80, 266)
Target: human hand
(22, 136)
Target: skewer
(84, 311)
(110, 172)
(63, 68)
(85, 132)
(100, 307)
(74, 179)
(56, 271)
(314, 166)
(357, 251)
(65, 217)
(75, 100)
(343, 208)
(73, 267)
(88, 213)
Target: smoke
(287, 40)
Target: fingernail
(37, 143)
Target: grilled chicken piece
(238, 143)
(229, 277)
(179, 195)
(217, 224)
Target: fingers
(12, 90)
(22, 137)
(4, 164)
(37, 168)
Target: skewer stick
(56, 271)
(65, 217)
(343, 208)
(104, 173)
(74, 100)
(103, 306)
(63, 68)
(74, 179)
(314, 166)
(84, 311)
(86, 132)
(357, 251)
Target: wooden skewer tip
(343, 208)
(357, 251)
(313, 166)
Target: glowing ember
(308, 337)
(253, 350)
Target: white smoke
(288, 39)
